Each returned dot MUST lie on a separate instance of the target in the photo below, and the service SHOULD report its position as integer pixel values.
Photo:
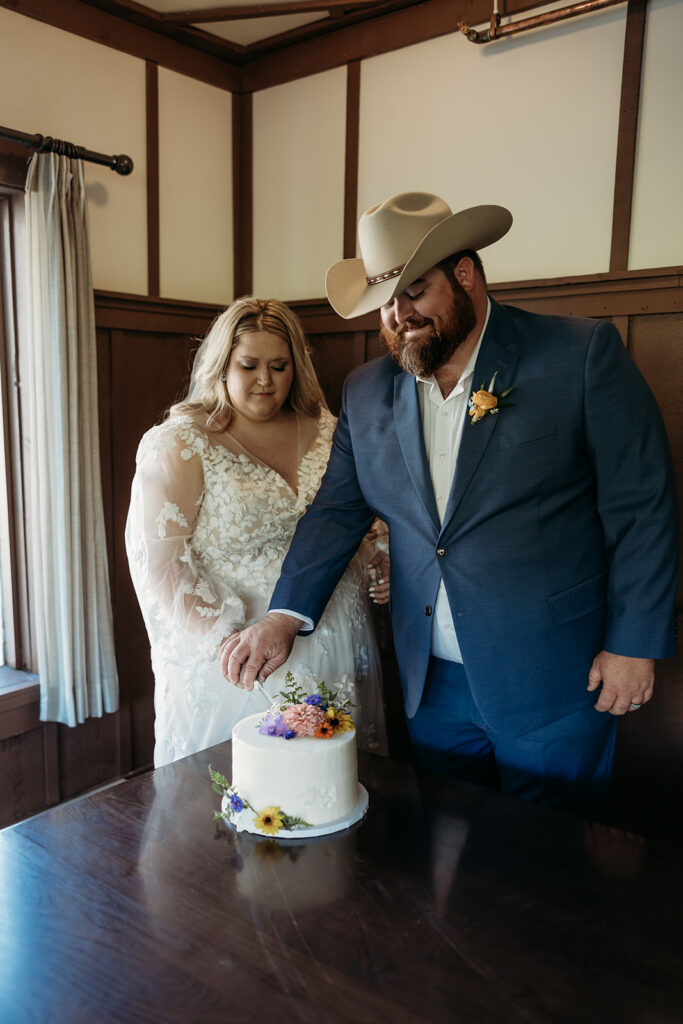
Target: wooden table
(447, 904)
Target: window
(16, 646)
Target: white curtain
(68, 571)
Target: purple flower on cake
(289, 734)
(314, 698)
(304, 719)
(236, 803)
(273, 725)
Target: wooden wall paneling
(89, 754)
(622, 325)
(334, 357)
(351, 165)
(242, 194)
(628, 130)
(22, 769)
(105, 401)
(152, 115)
(150, 370)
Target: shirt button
(442, 455)
(441, 552)
(428, 610)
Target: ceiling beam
(263, 10)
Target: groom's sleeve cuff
(308, 624)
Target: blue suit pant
(565, 764)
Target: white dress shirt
(443, 420)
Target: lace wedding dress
(207, 531)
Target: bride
(218, 490)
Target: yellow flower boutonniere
(486, 400)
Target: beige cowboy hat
(401, 239)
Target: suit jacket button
(428, 610)
(441, 552)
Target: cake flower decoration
(487, 401)
(269, 821)
(296, 713)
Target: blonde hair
(207, 392)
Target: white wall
(299, 147)
(529, 122)
(58, 84)
(195, 190)
(657, 215)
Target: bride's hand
(378, 571)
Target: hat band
(378, 278)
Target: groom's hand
(259, 649)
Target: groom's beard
(422, 356)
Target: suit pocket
(521, 431)
(580, 599)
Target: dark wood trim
(121, 311)
(595, 295)
(242, 193)
(101, 26)
(351, 163)
(628, 133)
(53, 787)
(382, 34)
(238, 12)
(13, 164)
(152, 105)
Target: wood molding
(628, 133)
(351, 162)
(153, 240)
(121, 311)
(242, 194)
(382, 34)
(100, 26)
(631, 293)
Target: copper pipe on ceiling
(498, 31)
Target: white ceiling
(242, 31)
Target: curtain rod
(122, 164)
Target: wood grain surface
(446, 904)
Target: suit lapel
(499, 352)
(408, 422)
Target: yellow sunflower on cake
(270, 820)
(341, 721)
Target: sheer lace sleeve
(176, 593)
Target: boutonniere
(487, 400)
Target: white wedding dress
(207, 531)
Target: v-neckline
(260, 462)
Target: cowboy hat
(401, 239)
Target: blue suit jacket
(560, 534)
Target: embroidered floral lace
(208, 528)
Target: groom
(522, 467)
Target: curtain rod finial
(122, 164)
